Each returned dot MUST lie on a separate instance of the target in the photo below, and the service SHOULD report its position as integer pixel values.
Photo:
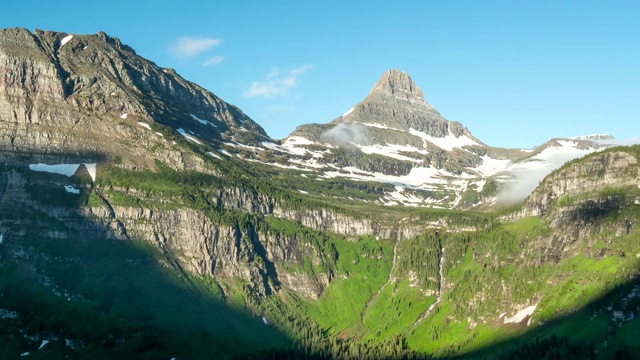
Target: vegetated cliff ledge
(582, 179)
(250, 249)
(575, 198)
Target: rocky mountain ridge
(394, 136)
(103, 89)
(63, 93)
(312, 258)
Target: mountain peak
(398, 103)
(398, 85)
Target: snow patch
(568, 144)
(392, 150)
(272, 146)
(44, 342)
(292, 143)
(214, 155)
(71, 189)
(144, 125)
(400, 196)
(25, 354)
(298, 140)
(447, 143)
(225, 152)
(124, 116)
(418, 177)
(348, 112)
(248, 147)
(203, 122)
(189, 137)
(479, 184)
(520, 315)
(311, 163)
(490, 166)
(65, 39)
(379, 126)
(291, 146)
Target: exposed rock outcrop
(63, 93)
(609, 169)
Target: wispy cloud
(276, 83)
(215, 60)
(527, 175)
(186, 46)
(347, 134)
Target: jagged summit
(397, 84)
(397, 103)
(397, 87)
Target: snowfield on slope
(448, 142)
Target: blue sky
(515, 73)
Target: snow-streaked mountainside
(91, 94)
(394, 136)
(141, 204)
(140, 112)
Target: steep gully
(393, 265)
(440, 286)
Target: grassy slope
(479, 267)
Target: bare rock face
(398, 103)
(397, 86)
(615, 169)
(393, 132)
(573, 199)
(394, 106)
(87, 94)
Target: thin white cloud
(186, 46)
(276, 83)
(528, 175)
(215, 60)
(347, 134)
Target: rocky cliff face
(394, 112)
(63, 93)
(78, 99)
(574, 199)
(582, 181)
(396, 102)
